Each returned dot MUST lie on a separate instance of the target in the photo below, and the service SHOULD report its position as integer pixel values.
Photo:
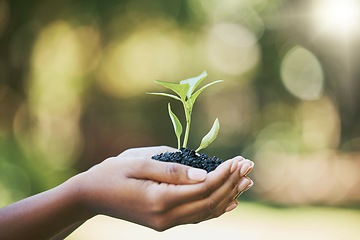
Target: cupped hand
(161, 195)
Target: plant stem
(187, 110)
(187, 131)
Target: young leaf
(210, 137)
(179, 89)
(193, 82)
(177, 125)
(197, 93)
(166, 95)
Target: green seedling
(186, 94)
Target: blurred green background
(73, 78)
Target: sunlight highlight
(337, 16)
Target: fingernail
(249, 186)
(196, 174)
(235, 164)
(245, 182)
(231, 207)
(246, 168)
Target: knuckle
(206, 191)
(160, 224)
(158, 207)
(211, 204)
(158, 203)
(218, 213)
(140, 163)
(230, 198)
(173, 171)
(234, 183)
(127, 151)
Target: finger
(185, 201)
(146, 152)
(214, 180)
(232, 206)
(231, 202)
(210, 207)
(247, 167)
(243, 186)
(221, 201)
(164, 172)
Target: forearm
(67, 231)
(44, 215)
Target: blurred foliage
(73, 78)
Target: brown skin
(130, 187)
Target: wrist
(75, 186)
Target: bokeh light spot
(55, 88)
(320, 124)
(130, 67)
(231, 48)
(302, 74)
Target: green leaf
(193, 82)
(177, 125)
(210, 137)
(197, 93)
(166, 95)
(179, 89)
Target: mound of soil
(190, 158)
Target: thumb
(172, 173)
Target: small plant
(186, 94)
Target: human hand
(161, 195)
(132, 187)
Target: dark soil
(190, 158)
